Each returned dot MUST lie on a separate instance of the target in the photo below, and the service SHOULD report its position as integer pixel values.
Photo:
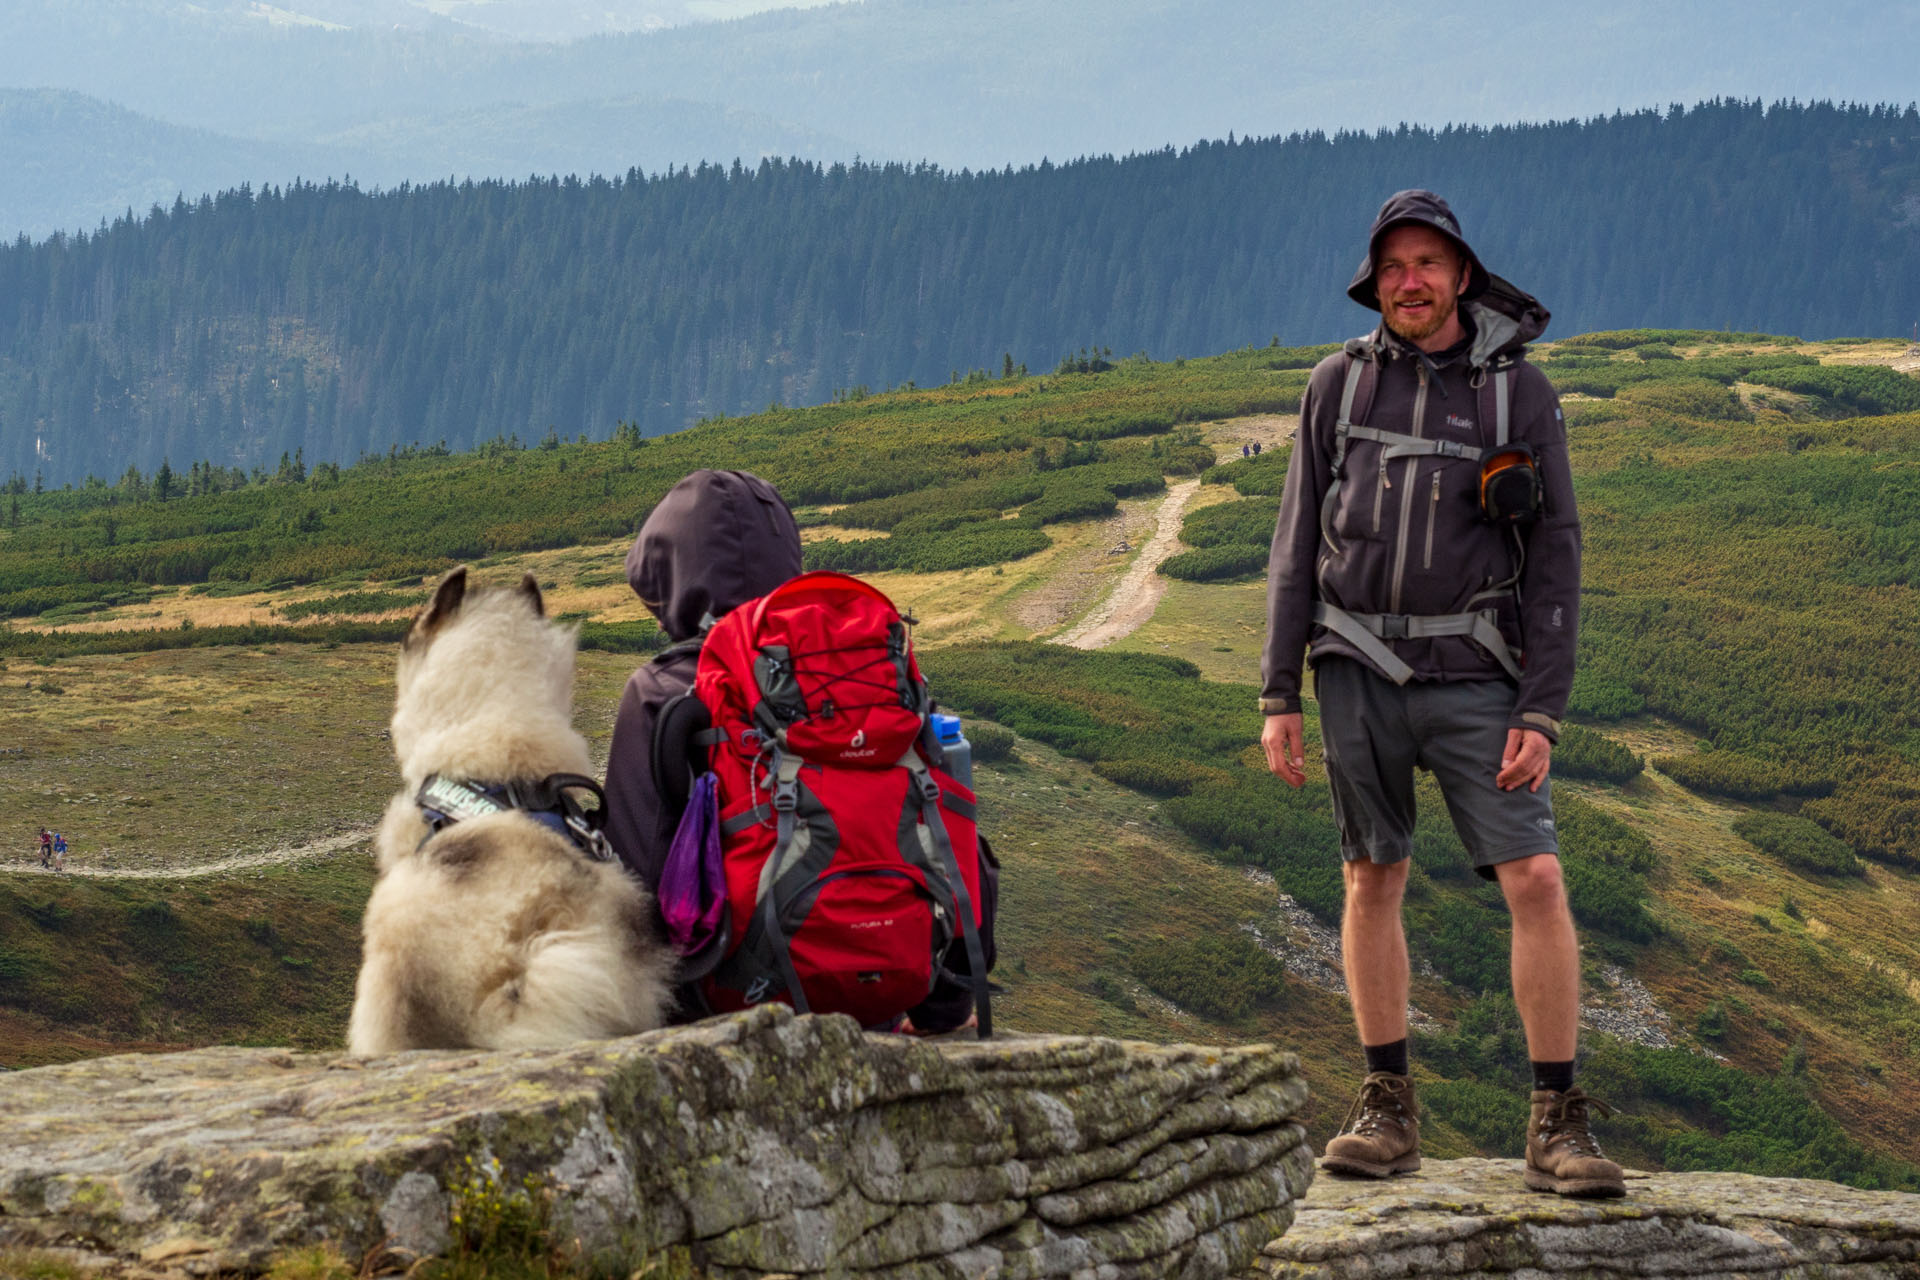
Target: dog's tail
(574, 986)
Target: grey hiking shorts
(1374, 732)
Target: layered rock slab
(1473, 1219)
(761, 1143)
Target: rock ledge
(1473, 1219)
(758, 1143)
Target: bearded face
(1419, 275)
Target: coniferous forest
(328, 322)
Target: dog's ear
(440, 610)
(530, 587)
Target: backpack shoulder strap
(1496, 398)
(682, 734)
(1356, 401)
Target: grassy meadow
(196, 690)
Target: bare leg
(1373, 945)
(1546, 956)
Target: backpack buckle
(786, 796)
(1393, 626)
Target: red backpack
(850, 857)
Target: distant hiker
(46, 847)
(1256, 448)
(717, 540)
(59, 852)
(1246, 451)
(1427, 558)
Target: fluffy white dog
(497, 930)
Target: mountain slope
(1763, 1011)
(69, 162)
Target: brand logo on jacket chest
(1459, 422)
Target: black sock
(1391, 1058)
(1556, 1077)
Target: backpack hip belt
(1368, 632)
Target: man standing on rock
(1427, 560)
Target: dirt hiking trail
(1134, 598)
(284, 856)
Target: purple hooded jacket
(717, 540)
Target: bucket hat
(1415, 208)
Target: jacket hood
(1505, 319)
(717, 540)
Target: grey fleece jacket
(1407, 538)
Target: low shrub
(1740, 777)
(1161, 775)
(1470, 946)
(1248, 522)
(990, 742)
(623, 637)
(1223, 976)
(1878, 817)
(1627, 339)
(1605, 862)
(966, 546)
(1262, 822)
(350, 603)
(1601, 697)
(1582, 753)
(1264, 476)
(1492, 1118)
(1216, 564)
(1799, 843)
(1861, 389)
(1689, 397)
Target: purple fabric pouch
(693, 884)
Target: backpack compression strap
(936, 829)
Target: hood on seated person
(716, 540)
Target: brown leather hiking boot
(1381, 1134)
(1562, 1156)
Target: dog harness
(445, 801)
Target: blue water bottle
(955, 747)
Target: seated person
(717, 540)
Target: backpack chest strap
(1400, 445)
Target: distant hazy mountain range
(221, 91)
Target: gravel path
(1137, 594)
(285, 855)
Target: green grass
(174, 962)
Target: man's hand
(1525, 760)
(1284, 742)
